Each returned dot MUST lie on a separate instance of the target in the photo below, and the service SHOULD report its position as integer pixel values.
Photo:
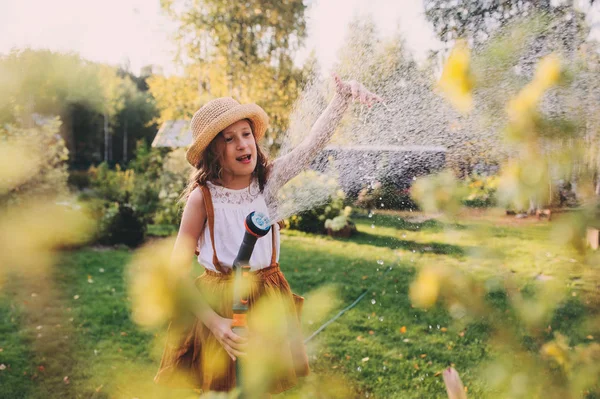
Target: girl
(232, 177)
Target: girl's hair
(209, 167)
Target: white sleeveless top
(231, 208)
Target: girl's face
(237, 145)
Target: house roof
(173, 134)
(389, 148)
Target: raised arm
(288, 166)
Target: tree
(476, 20)
(88, 98)
(239, 49)
(356, 57)
(47, 83)
(134, 122)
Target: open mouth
(244, 158)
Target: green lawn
(76, 323)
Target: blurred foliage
(33, 162)
(41, 84)
(531, 358)
(456, 81)
(439, 193)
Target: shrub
(311, 188)
(79, 179)
(121, 224)
(112, 185)
(481, 191)
(384, 195)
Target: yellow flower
(425, 289)
(456, 82)
(558, 350)
(548, 71)
(521, 109)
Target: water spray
(257, 226)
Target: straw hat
(215, 116)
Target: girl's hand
(231, 342)
(356, 90)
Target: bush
(112, 185)
(313, 221)
(169, 208)
(481, 191)
(146, 193)
(313, 190)
(384, 196)
(341, 225)
(79, 179)
(121, 224)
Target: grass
(381, 348)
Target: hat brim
(256, 114)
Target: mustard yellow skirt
(276, 356)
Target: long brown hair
(209, 167)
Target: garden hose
(347, 308)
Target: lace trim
(223, 195)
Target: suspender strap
(274, 253)
(210, 215)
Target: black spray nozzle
(257, 225)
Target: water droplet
(359, 369)
(438, 326)
(403, 235)
(370, 214)
(373, 301)
(372, 226)
(430, 327)
(381, 318)
(380, 262)
(384, 368)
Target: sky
(114, 31)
